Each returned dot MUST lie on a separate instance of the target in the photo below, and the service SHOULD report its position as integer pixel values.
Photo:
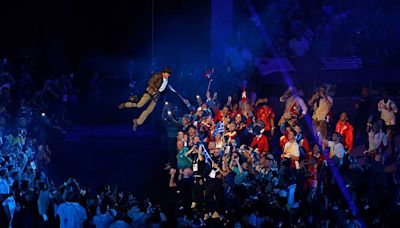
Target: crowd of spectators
(298, 28)
(32, 117)
(235, 163)
(232, 163)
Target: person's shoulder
(77, 205)
(61, 205)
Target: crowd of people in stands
(315, 28)
(32, 117)
(238, 164)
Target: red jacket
(265, 113)
(261, 143)
(346, 132)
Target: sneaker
(193, 205)
(215, 215)
(134, 125)
(122, 106)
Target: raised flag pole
(206, 154)
(176, 92)
(209, 84)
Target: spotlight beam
(288, 80)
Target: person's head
(235, 106)
(336, 137)
(70, 194)
(225, 110)
(180, 135)
(263, 161)
(103, 208)
(322, 90)
(364, 91)
(196, 139)
(245, 166)
(213, 150)
(294, 91)
(192, 131)
(257, 129)
(3, 173)
(291, 135)
(344, 117)
(238, 119)
(232, 126)
(42, 186)
(211, 146)
(166, 72)
(218, 137)
(120, 214)
(377, 126)
(316, 150)
(185, 120)
(205, 114)
(179, 144)
(235, 156)
(297, 129)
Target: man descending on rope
(156, 86)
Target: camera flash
(43, 114)
(197, 96)
(169, 112)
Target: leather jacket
(154, 83)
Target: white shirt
(4, 186)
(376, 140)
(71, 214)
(138, 217)
(11, 204)
(337, 149)
(163, 85)
(388, 111)
(291, 149)
(103, 220)
(290, 102)
(119, 224)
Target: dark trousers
(198, 193)
(214, 195)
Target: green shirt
(183, 161)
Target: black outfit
(185, 191)
(362, 114)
